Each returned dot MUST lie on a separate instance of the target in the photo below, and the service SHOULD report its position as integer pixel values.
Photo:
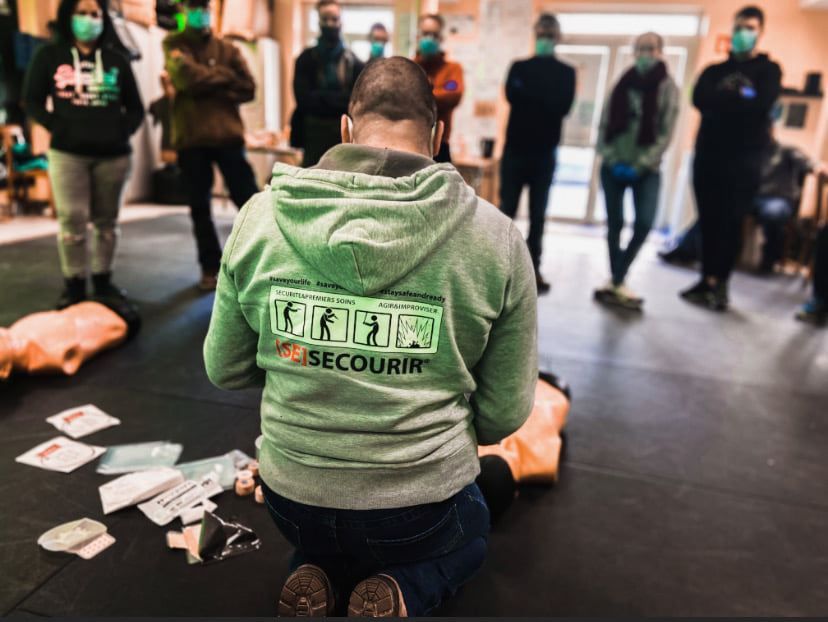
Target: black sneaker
(104, 288)
(708, 296)
(813, 312)
(307, 593)
(543, 286)
(73, 293)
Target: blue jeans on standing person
(430, 550)
(645, 189)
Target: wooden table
(480, 174)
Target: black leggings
(725, 189)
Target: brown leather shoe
(307, 593)
(377, 597)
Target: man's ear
(438, 137)
(345, 129)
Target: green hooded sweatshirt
(392, 317)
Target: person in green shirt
(369, 451)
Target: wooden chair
(17, 182)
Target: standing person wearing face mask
(445, 76)
(379, 40)
(735, 99)
(322, 83)
(540, 91)
(636, 128)
(210, 79)
(95, 108)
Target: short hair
(659, 39)
(548, 21)
(436, 17)
(323, 3)
(750, 12)
(378, 26)
(396, 89)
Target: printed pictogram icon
(290, 317)
(372, 329)
(330, 324)
(414, 332)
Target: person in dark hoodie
(211, 80)
(736, 100)
(95, 108)
(369, 455)
(323, 79)
(540, 91)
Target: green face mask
(86, 29)
(644, 63)
(377, 49)
(429, 46)
(198, 19)
(743, 41)
(545, 47)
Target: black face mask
(330, 34)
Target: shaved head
(394, 89)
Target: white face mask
(430, 142)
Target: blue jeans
(645, 199)
(430, 550)
(773, 213)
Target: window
(666, 24)
(356, 25)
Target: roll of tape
(253, 467)
(245, 487)
(244, 474)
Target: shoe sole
(374, 598)
(614, 301)
(306, 594)
(705, 302)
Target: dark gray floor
(695, 480)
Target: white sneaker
(625, 293)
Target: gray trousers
(87, 190)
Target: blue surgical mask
(743, 41)
(198, 19)
(86, 29)
(377, 49)
(545, 46)
(645, 63)
(429, 46)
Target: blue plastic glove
(624, 172)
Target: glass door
(572, 194)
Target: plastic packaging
(133, 488)
(222, 539)
(139, 457)
(222, 467)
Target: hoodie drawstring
(98, 75)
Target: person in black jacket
(95, 108)
(540, 91)
(322, 83)
(736, 100)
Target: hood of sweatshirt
(365, 217)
